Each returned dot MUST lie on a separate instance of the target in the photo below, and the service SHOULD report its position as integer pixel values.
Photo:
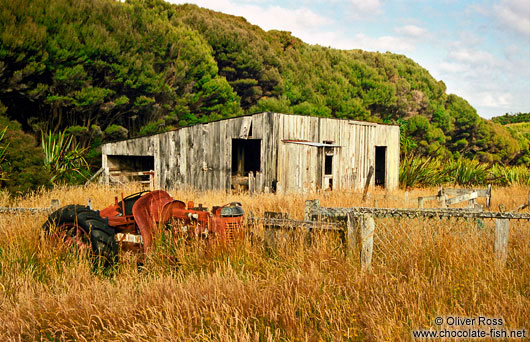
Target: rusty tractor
(133, 222)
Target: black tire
(99, 236)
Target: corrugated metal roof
(310, 143)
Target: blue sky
(480, 49)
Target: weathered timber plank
(246, 122)
(462, 198)
(54, 205)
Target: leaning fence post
(367, 240)
(368, 180)
(502, 231)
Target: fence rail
(342, 213)
(461, 195)
(287, 223)
(360, 224)
(54, 205)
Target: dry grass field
(421, 269)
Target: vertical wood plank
(502, 231)
(251, 183)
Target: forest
(76, 74)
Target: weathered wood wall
(201, 156)
(301, 164)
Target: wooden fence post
(311, 208)
(54, 204)
(488, 196)
(367, 226)
(270, 230)
(442, 197)
(420, 202)
(502, 231)
(350, 234)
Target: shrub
(22, 164)
(116, 132)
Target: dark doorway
(380, 164)
(246, 156)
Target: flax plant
(63, 158)
(3, 151)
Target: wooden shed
(265, 152)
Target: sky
(479, 49)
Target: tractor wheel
(82, 226)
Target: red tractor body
(134, 221)
(142, 214)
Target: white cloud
(363, 7)
(494, 99)
(452, 67)
(472, 57)
(514, 14)
(412, 31)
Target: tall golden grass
(245, 292)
